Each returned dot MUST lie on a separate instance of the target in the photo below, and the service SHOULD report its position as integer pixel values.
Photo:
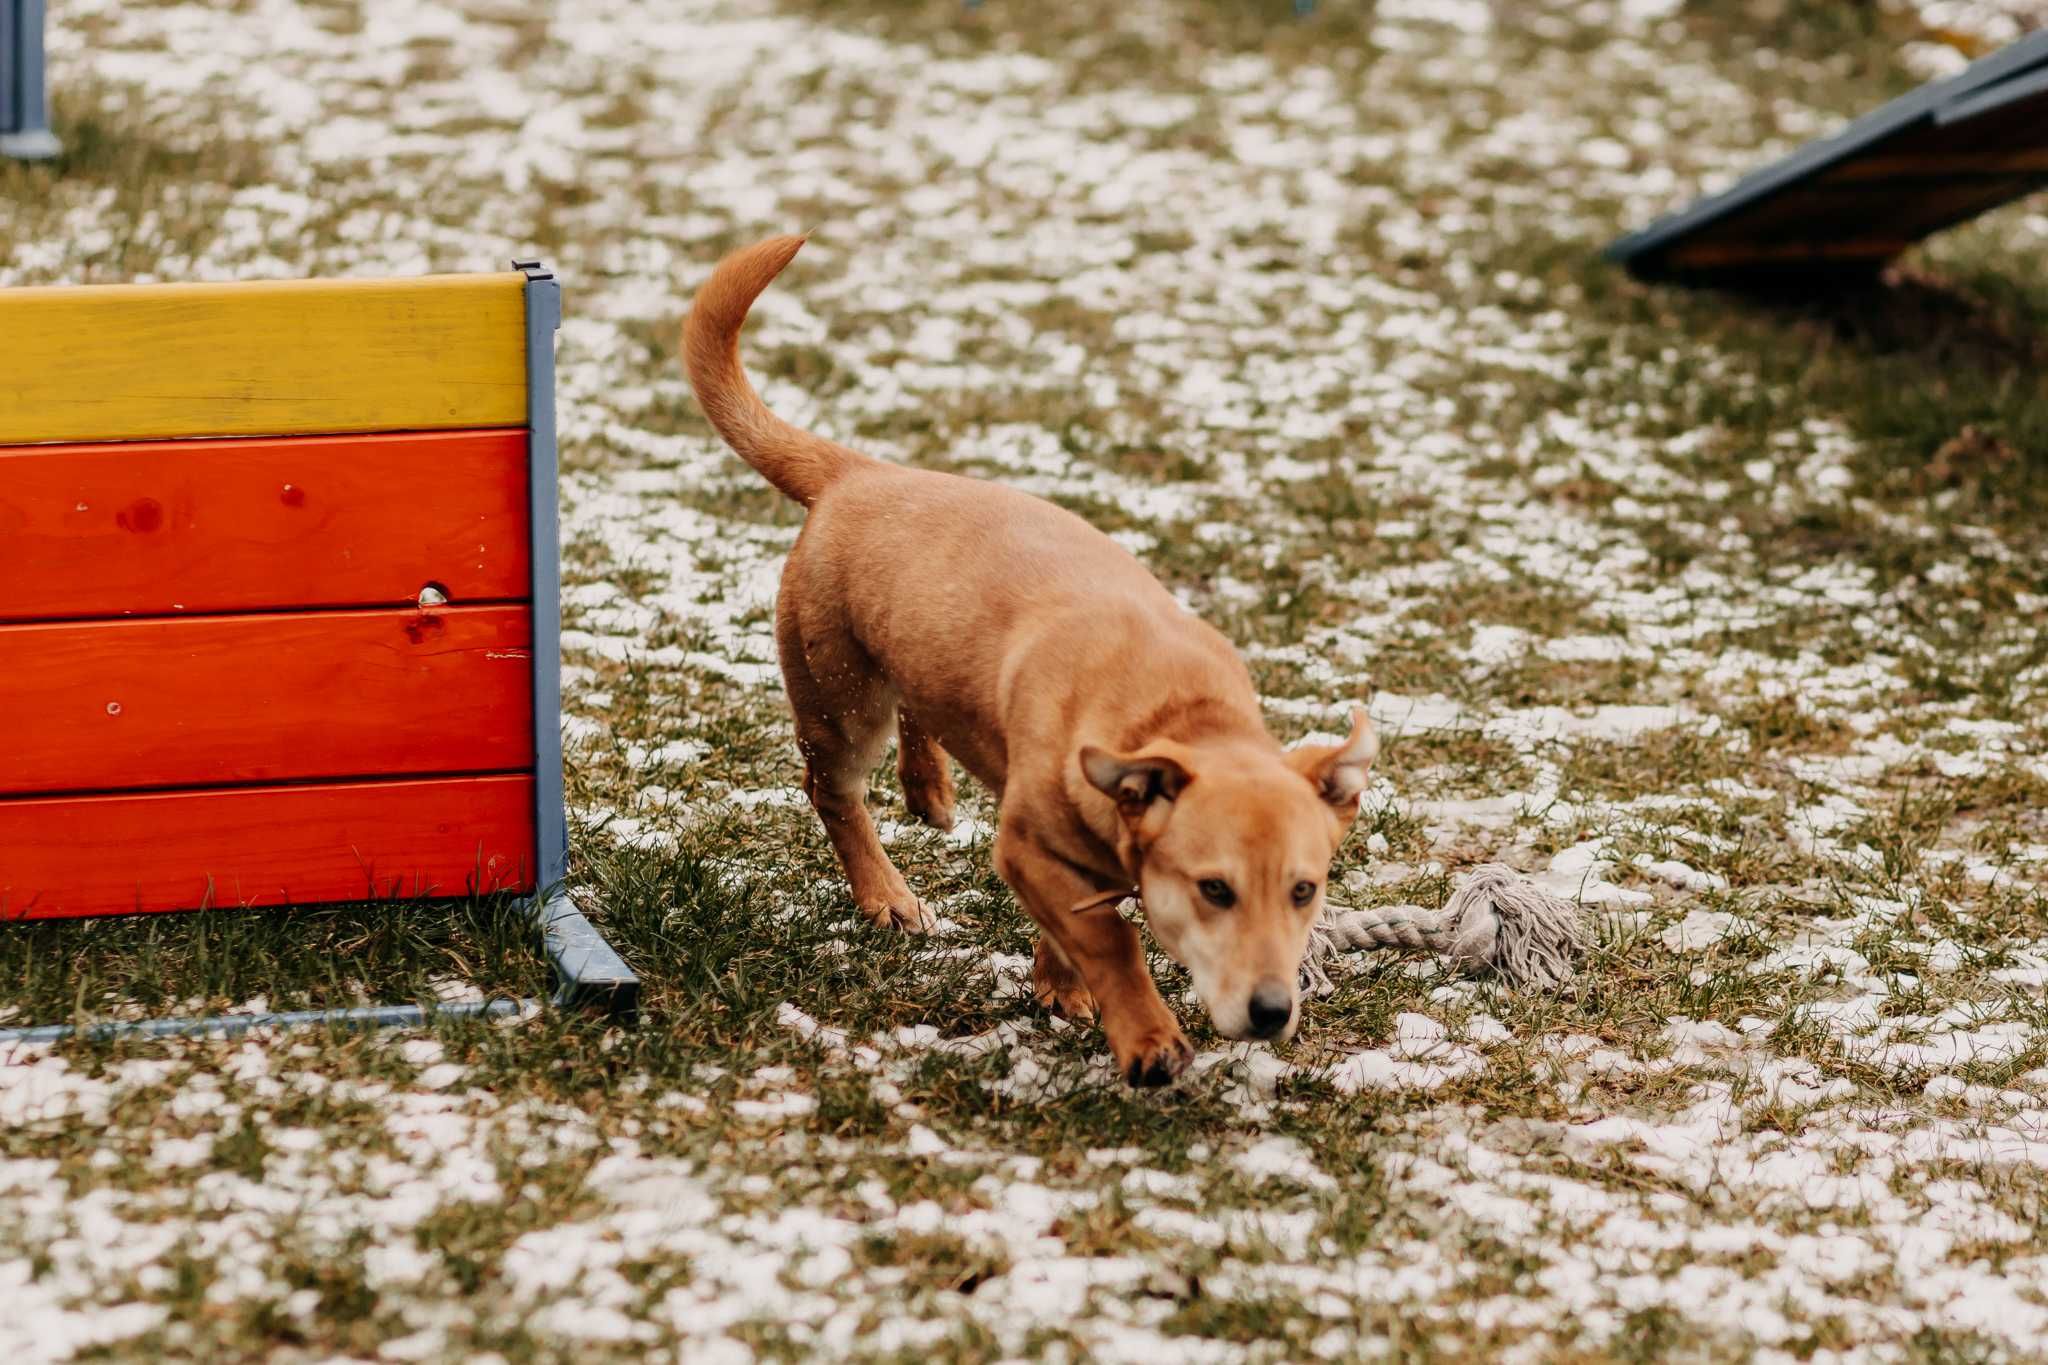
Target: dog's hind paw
(929, 799)
(1073, 1003)
(905, 914)
(1059, 987)
(935, 811)
(1157, 1059)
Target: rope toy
(1498, 921)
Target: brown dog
(1121, 735)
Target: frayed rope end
(1498, 921)
(1506, 923)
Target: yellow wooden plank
(126, 362)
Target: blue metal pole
(588, 972)
(24, 101)
(543, 319)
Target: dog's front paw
(1158, 1056)
(904, 913)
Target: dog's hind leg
(927, 777)
(1056, 983)
(841, 729)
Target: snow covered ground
(1726, 620)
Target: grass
(317, 958)
(154, 201)
(1347, 370)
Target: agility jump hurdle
(280, 605)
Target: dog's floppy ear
(1135, 781)
(1339, 771)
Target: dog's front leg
(1150, 1049)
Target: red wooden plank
(163, 527)
(64, 857)
(119, 705)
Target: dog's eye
(1304, 892)
(1217, 892)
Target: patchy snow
(1334, 314)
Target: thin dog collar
(1106, 898)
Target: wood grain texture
(140, 362)
(62, 857)
(2021, 161)
(160, 527)
(119, 705)
(1707, 255)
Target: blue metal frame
(589, 974)
(2014, 72)
(24, 100)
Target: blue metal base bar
(236, 1025)
(589, 974)
(39, 144)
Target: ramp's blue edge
(1984, 101)
(1979, 88)
(588, 973)
(236, 1025)
(24, 101)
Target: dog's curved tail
(797, 462)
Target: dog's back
(945, 581)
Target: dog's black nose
(1272, 1006)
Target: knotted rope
(1498, 921)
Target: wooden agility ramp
(1851, 202)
